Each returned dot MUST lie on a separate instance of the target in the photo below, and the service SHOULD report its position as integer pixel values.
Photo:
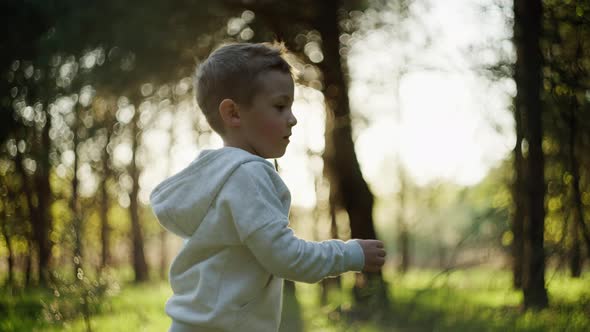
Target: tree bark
(340, 159)
(518, 196)
(41, 232)
(139, 263)
(105, 229)
(527, 32)
(74, 201)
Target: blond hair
(232, 72)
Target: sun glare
(448, 115)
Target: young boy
(232, 208)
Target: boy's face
(266, 123)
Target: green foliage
(82, 297)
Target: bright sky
(447, 112)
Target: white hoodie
(231, 208)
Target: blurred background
(457, 132)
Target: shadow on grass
(21, 311)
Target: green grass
(469, 300)
(135, 308)
(482, 300)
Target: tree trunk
(34, 217)
(29, 278)
(41, 232)
(105, 230)
(74, 201)
(163, 254)
(527, 32)
(402, 226)
(575, 251)
(139, 263)
(40, 186)
(330, 283)
(10, 257)
(340, 159)
(518, 196)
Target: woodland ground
(464, 300)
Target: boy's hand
(374, 255)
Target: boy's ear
(229, 112)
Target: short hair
(232, 72)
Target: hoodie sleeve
(261, 220)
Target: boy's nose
(292, 120)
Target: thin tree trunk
(105, 229)
(432, 207)
(575, 254)
(163, 254)
(20, 215)
(404, 236)
(527, 31)
(29, 278)
(105, 234)
(402, 226)
(74, 201)
(42, 230)
(518, 196)
(330, 283)
(139, 263)
(7, 240)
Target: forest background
(458, 133)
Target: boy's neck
(236, 143)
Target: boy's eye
(280, 107)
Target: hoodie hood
(182, 201)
